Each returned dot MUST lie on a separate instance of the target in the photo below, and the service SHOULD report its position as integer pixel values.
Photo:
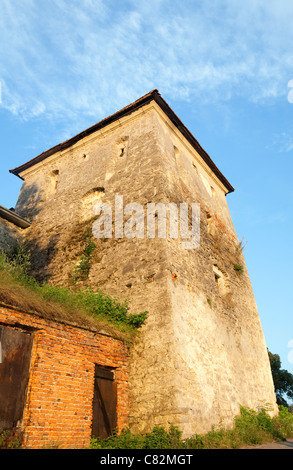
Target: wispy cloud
(89, 57)
(283, 142)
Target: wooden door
(104, 403)
(15, 356)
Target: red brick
(61, 383)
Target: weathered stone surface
(201, 352)
(10, 235)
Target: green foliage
(284, 422)
(125, 440)
(10, 439)
(82, 270)
(96, 304)
(20, 258)
(17, 261)
(283, 380)
(250, 428)
(159, 438)
(238, 268)
(253, 427)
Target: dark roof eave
(192, 140)
(152, 95)
(11, 216)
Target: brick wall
(58, 409)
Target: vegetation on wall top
(74, 305)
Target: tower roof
(153, 95)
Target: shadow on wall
(41, 247)
(28, 201)
(10, 236)
(41, 257)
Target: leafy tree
(283, 380)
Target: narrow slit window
(195, 167)
(220, 280)
(54, 178)
(121, 147)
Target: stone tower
(201, 353)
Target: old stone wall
(219, 349)
(10, 235)
(201, 353)
(59, 401)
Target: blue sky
(224, 67)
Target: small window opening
(210, 226)
(122, 146)
(89, 200)
(99, 189)
(195, 167)
(220, 280)
(54, 177)
(176, 151)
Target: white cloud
(283, 142)
(67, 57)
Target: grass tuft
(81, 307)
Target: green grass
(250, 428)
(238, 268)
(82, 306)
(82, 270)
(10, 439)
